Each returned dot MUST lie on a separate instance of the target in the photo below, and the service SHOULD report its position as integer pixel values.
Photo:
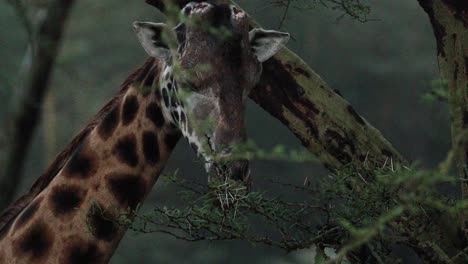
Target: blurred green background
(382, 67)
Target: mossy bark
(320, 117)
(449, 19)
(323, 120)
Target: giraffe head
(214, 63)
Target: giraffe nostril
(235, 10)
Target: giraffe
(116, 159)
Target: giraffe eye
(187, 10)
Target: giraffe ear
(266, 43)
(151, 38)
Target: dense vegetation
(382, 67)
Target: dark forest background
(382, 67)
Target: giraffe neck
(112, 170)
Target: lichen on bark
(450, 24)
(449, 20)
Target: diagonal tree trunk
(25, 118)
(324, 122)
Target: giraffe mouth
(225, 166)
(237, 170)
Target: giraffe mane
(61, 159)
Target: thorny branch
(22, 14)
(355, 9)
(400, 206)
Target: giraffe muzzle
(215, 14)
(240, 170)
(236, 170)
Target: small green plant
(437, 93)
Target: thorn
(306, 180)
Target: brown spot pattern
(150, 147)
(81, 164)
(81, 252)
(153, 113)
(126, 150)
(129, 109)
(128, 190)
(35, 243)
(65, 199)
(109, 124)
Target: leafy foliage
(438, 92)
(79, 52)
(361, 215)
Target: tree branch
(21, 12)
(26, 116)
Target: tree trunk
(323, 120)
(449, 19)
(25, 118)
